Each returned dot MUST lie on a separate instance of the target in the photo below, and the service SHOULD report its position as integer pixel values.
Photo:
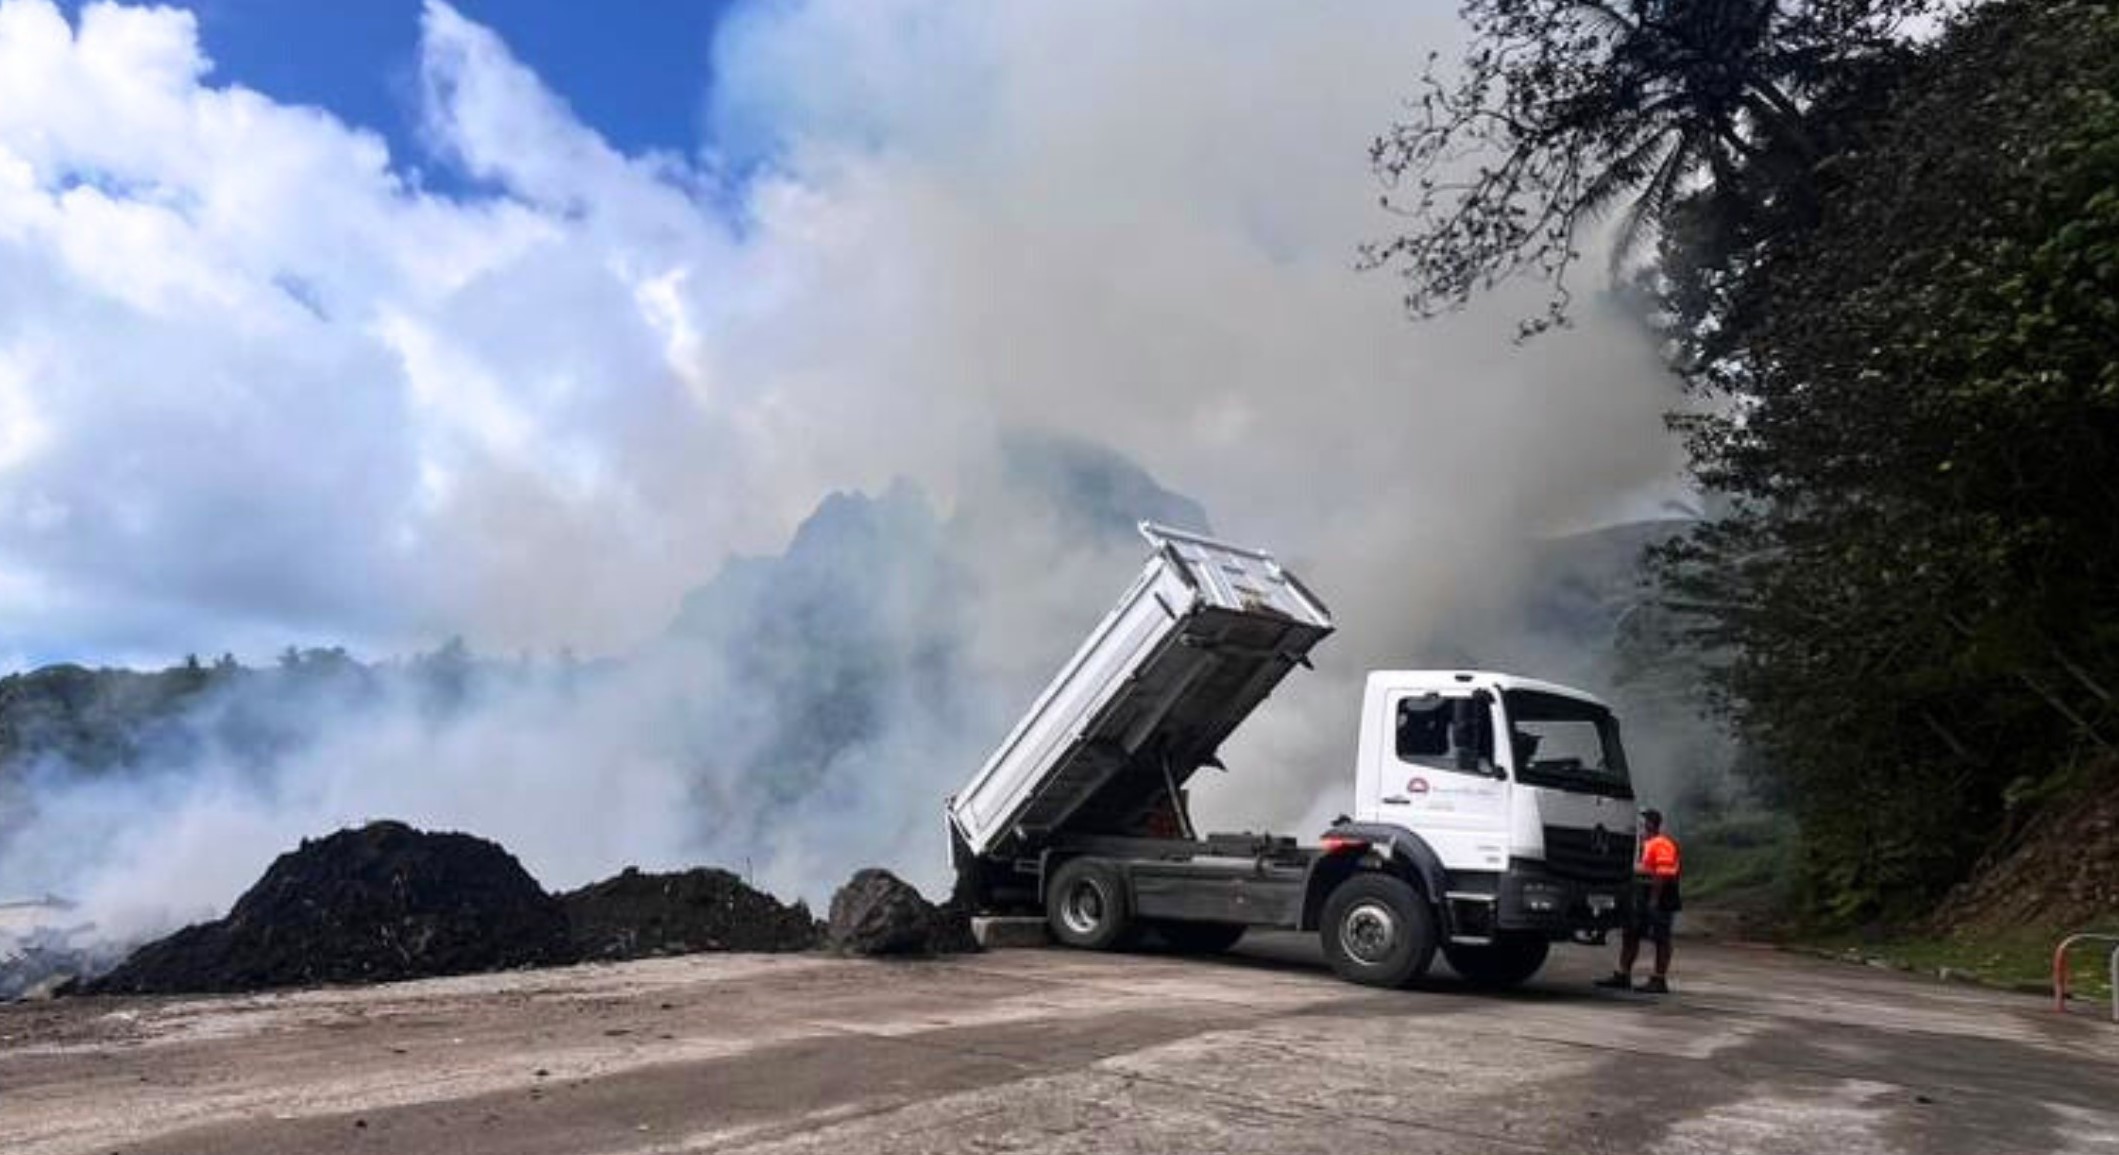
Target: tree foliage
(1915, 411)
(1890, 272)
(67, 721)
(1563, 112)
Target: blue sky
(637, 71)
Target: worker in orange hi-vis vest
(1655, 906)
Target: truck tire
(1508, 961)
(1378, 931)
(1199, 937)
(1086, 905)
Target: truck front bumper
(1534, 899)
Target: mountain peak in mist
(846, 554)
(855, 546)
(860, 625)
(1102, 489)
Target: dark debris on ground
(878, 913)
(636, 915)
(373, 904)
(387, 902)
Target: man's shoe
(1617, 982)
(1655, 986)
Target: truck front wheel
(1378, 931)
(1508, 961)
(1086, 905)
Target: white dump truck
(1492, 813)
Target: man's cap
(1652, 815)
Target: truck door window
(1565, 743)
(1446, 733)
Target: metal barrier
(2060, 969)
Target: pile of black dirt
(636, 915)
(376, 904)
(878, 913)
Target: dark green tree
(1914, 409)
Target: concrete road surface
(1048, 1050)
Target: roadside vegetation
(1880, 239)
(2018, 959)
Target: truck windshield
(1566, 743)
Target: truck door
(1440, 777)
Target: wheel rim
(1368, 932)
(1083, 909)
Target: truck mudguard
(1407, 851)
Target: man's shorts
(1653, 925)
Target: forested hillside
(1917, 388)
(102, 721)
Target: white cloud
(22, 431)
(258, 352)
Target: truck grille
(1584, 855)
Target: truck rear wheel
(1086, 905)
(1378, 931)
(1508, 961)
(1199, 937)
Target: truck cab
(1506, 798)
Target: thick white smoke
(256, 385)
